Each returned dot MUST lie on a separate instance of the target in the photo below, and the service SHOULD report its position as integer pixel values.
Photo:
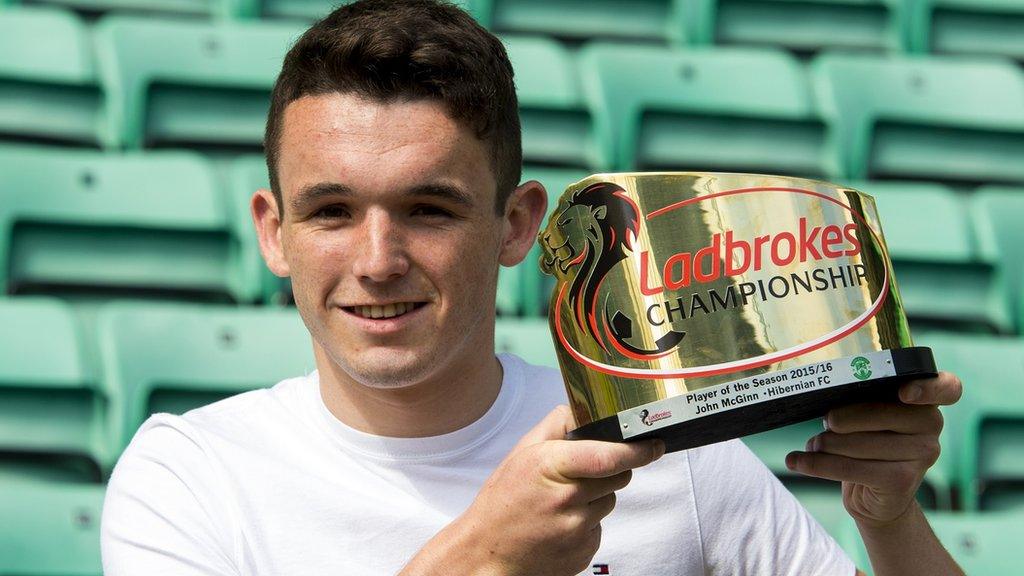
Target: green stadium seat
(822, 498)
(800, 25)
(302, 9)
(557, 127)
(528, 338)
(997, 214)
(1007, 496)
(155, 223)
(189, 83)
(987, 425)
(91, 8)
(944, 279)
(638, 20)
(49, 89)
(290, 9)
(54, 411)
(722, 109)
(239, 9)
(524, 289)
(171, 358)
(246, 175)
(991, 27)
(926, 118)
(50, 529)
(772, 446)
(983, 544)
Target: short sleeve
(751, 525)
(164, 512)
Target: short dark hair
(395, 50)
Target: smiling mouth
(384, 312)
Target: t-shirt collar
(431, 448)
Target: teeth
(386, 311)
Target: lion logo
(644, 415)
(600, 223)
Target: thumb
(554, 426)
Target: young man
(394, 155)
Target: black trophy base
(910, 363)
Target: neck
(450, 400)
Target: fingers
(893, 417)
(594, 489)
(881, 451)
(601, 508)
(885, 446)
(594, 459)
(943, 390)
(891, 477)
(600, 487)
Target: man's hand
(880, 451)
(540, 512)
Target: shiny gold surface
(656, 295)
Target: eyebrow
(310, 194)
(314, 192)
(443, 192)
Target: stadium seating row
(66, 415)
(152, 83)
(982, 544)
(88, 225)
(959, 259)
(80, 221)
(50, 528)
(988, 27)
(58, 532)
(230, 9)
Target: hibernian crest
(861, 368)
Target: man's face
(389, 234)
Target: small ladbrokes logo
(649, 418)
(861, 368)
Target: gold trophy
(697, 307)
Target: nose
(381, 255)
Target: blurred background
(130, 136)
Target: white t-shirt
(270, 482)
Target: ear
(600, 212)
(267, 219)
(526, 208)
